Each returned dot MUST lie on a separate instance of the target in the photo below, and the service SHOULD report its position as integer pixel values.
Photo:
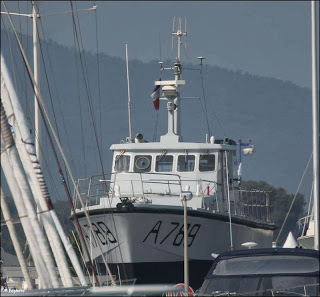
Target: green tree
(281, 202)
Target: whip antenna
(129, 99)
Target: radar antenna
(178, 32)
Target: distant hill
(274, 114)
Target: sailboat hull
(146, 243)
(307, 242)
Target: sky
(266, 38)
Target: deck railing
(256, 204)
(303, 225)
(252, 204)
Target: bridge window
(164, 163)
(122, 163)
(142, 163)
(186, 163)
(207, 163)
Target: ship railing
(162, 183)
(303, 224)
(256, 204)
(252, 204)
(138, 185)
(91, 190)
(168, 184)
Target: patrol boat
(137, 214)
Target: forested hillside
(274, 114)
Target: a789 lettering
(174, 234)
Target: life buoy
(180, 293)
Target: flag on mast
(156, 97)
(240, 173)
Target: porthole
(142, 163)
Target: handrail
(254, 204)
(309, 217)
(304, 221)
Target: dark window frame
(202, 169)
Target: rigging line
(21, 36)
(294, 198)
(187, 68)
(16, 73)
(83, 263)
(79, 100)
(202, 108)
(155, 129)
(46, 164)
(117, 235)
(66, 187)
(11, 55)
(50, 93)
(40, 99)
(215, 115)
(20, 22)
(205, 101)
(99, 89)
(89, 98)
(185, 51)
(25, 71)
(310, 200)
(86, 79)
(59, 105)
(204, 97)
(94, 128)
(64, 183)
(77, 47)
(91, 111)
(44, 156)
(87, 86)
(48, 85)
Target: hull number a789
(174, 233)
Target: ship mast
(177, 74)
(170, 89)
(315, 126)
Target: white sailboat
(306, 229)
(45, 235)
(52, 280)
(309, 225)
(137, 214)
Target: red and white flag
(156, 97)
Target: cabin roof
(267, 251)
(158, 146)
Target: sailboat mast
(36, 71)
(315, 125)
